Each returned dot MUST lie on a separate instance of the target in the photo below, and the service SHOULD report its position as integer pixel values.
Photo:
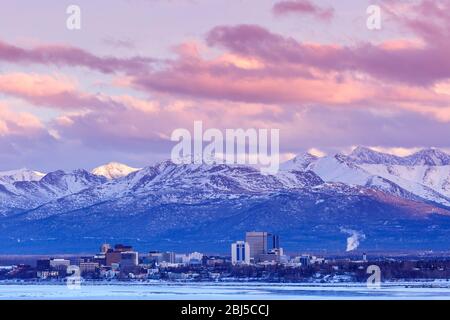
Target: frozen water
(226, 291)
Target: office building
(305, 260)
(59, 264)
(240, 253)
(115, 256)
(257, 242)
(168, 257)
(273, 241)
(112, 257)
(88, 267)
(43, 264)
(273, 255)
(261, 243)
(129, 259)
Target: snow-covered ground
(233, 291)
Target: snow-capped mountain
(23, 195)
(20, 175)
(393, 200)
(428, 157)
(423, 175)
(365, 155)
(425, 157)
(299, 163)
(114, 170)
(168, 183)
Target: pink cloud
(302, 7)
(60, 55)
(18, 123)
(429, 19)
(410, 64)
(33, 84)
(53, 91)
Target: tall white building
(240, 253)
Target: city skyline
(115, 89)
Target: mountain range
(314, 203)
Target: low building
(43, 265)
(168, 257)
(88, 267)
(305, 260)
(59, 264)
(47, 274)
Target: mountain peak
(367, 155)
(300, 162)
(114, 170)
(429, 157)
(21, 175)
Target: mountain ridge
(167, 203)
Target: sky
(117, 88)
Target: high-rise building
(257, 242)
(273, 241)
(240, 253)
(261, 242)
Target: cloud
(266, 76)
(62, 55)
(302, 7)
(408, 64)
(13, 123)
(429, 19)
(323, 96)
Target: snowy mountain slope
(372, 169)
(23, 195)
(425, 157)
(20, 175)
(428, 157)
(299, 163)
(59, 191)
(167, 182)
(114, 170)
(310, 200)
(361, 155)
(436, 178)
(309, 218)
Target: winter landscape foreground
(420, 290)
